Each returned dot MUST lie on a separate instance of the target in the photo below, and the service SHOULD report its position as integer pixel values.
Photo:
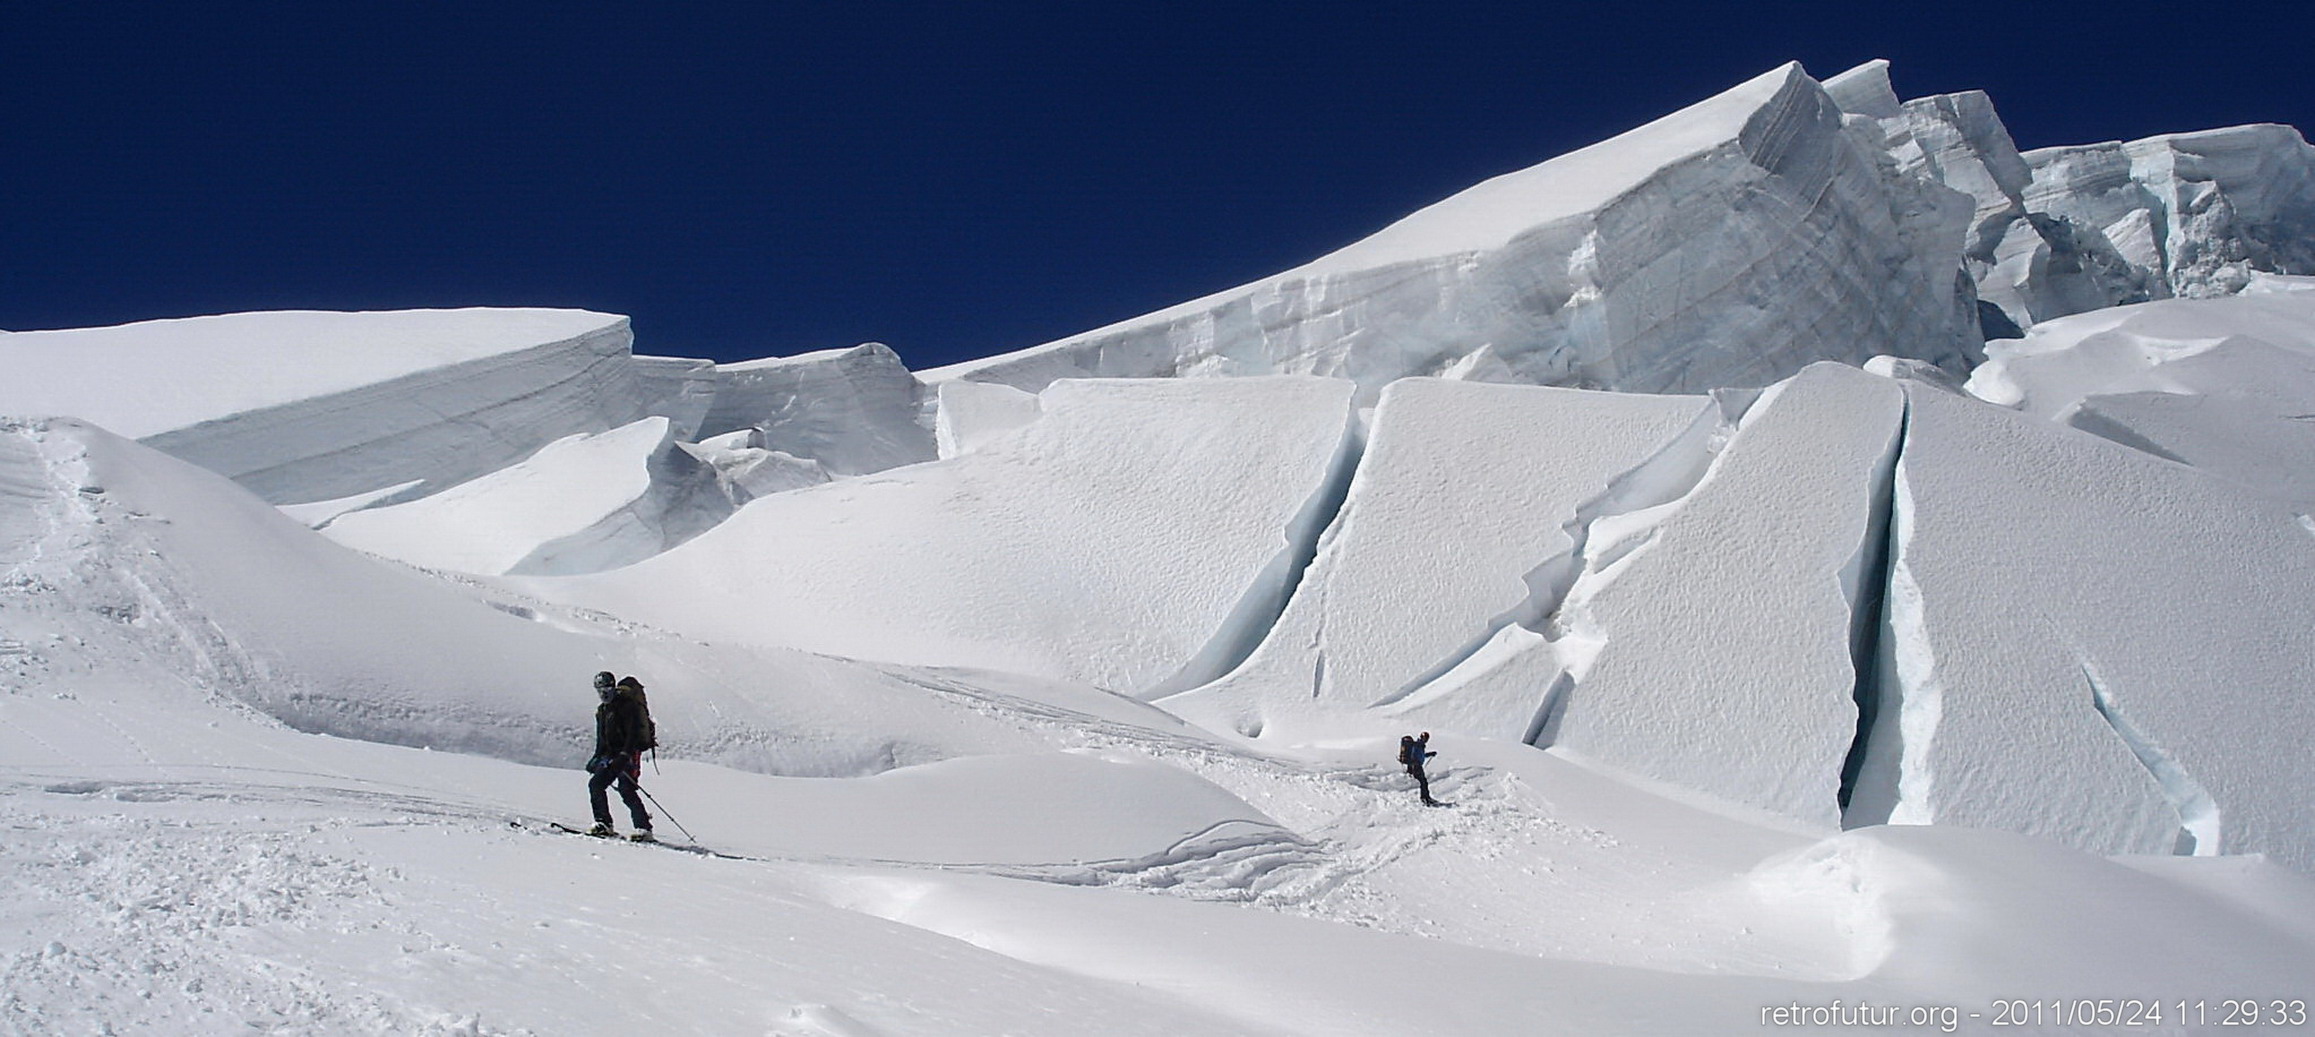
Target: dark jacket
(623, 725)
(1413, 751)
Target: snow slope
(122, 558)
(200, 871)
(1453, 523)
(306, 406)
(1662, 260)
(2224, 385)
(201, 867)
(2045, 672)
(1131, 532)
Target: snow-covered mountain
(1785, 642)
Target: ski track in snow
(1361, 849)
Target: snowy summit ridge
(1785, 643)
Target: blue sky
(952, 179)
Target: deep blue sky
(953, 179)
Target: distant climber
(623, 730)
(1412, 752)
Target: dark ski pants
(1422, 781)
(627, 792)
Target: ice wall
(2067, 230)
(307, 406)
(1726, 244)
(854, 410)
(678, 389)
(1130, 530)
(1457, 514)
(2197, 212)
(2071, 652)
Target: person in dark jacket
(623, 730)
(1412, 752)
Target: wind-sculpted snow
(1726, 244)
(2226, 385)
(582, 504)
(126, 566)
(854, 410)
(1455, 514)
(1115, 539)
(307, 406)
(2090, 644)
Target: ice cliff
(2065, 230)
(305, 406)
(1729, 243)
(854, 411)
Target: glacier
(853, 411)
(1760, 681)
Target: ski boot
(601, 830)
(642, 835)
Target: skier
(623, 730)
(1412, 752)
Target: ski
(690, 848)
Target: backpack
(1407, 752)
(649, 729)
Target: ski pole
(663, 812)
